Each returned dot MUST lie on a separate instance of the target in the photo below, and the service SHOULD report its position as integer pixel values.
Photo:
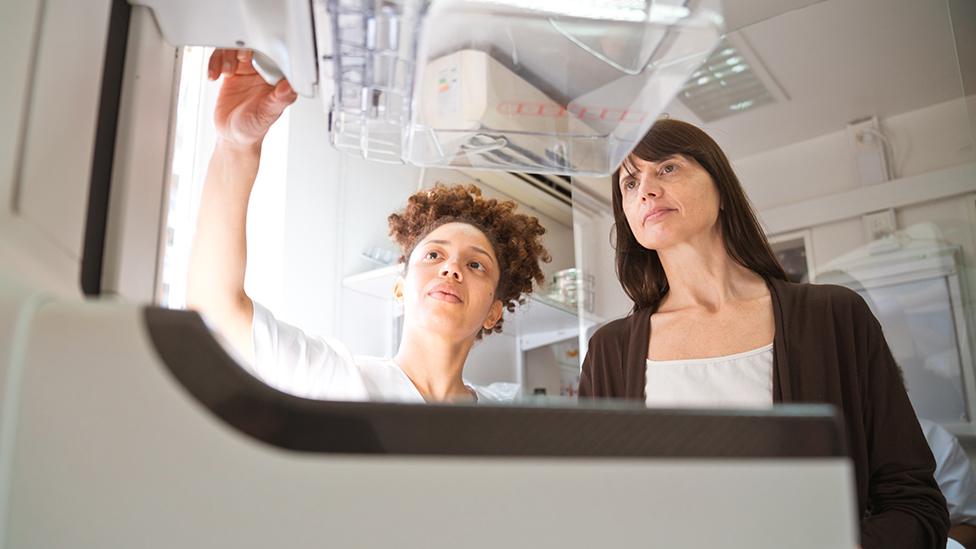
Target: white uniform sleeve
(953, 473)
(289, 360)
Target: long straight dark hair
(639, 269)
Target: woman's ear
(494, 315)
(398, 289)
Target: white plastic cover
(544, 86)
(279, 30)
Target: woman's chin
(656, 238)
(448, 326)
(656, 244)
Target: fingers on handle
(229, 63)
(222, 62)
(213, 67)
(244, 64)
(283, 93)
(276, 102)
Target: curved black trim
(104, 150)
(214, 379)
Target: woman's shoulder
(616, 332)
(809, 297)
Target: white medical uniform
(953, 472)
(289, 360)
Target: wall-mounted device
(869, 151)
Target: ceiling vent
(731, 81)
(550, 195)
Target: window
(193, 142)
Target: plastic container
(538, 86)
(570, 286)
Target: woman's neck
(434, 365)
(702, 275)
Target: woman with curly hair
(467, 260)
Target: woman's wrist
(238, 149)
(234, 164)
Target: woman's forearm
(219, 257)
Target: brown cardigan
(827, 347)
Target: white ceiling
(742, 13)
(838, 60)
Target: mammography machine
(127, 425)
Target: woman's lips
(656, 214)
(442, 295)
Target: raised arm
(246, 108)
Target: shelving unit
(543, 321)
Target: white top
(953, 473)
(289, 360)
(742, 380)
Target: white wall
(597, 257)
(493, 359)
(336, 207)
(925, 140)
(922, 141)
(266, 219)
(963, 16)
(309, 273)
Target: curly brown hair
(515, 237)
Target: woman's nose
(451, 270)
(649, 188)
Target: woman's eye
(630, 183)
(668, 168)
(476, 265)
(432, 255)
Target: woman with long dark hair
(716, 323)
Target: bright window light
(193, 143)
